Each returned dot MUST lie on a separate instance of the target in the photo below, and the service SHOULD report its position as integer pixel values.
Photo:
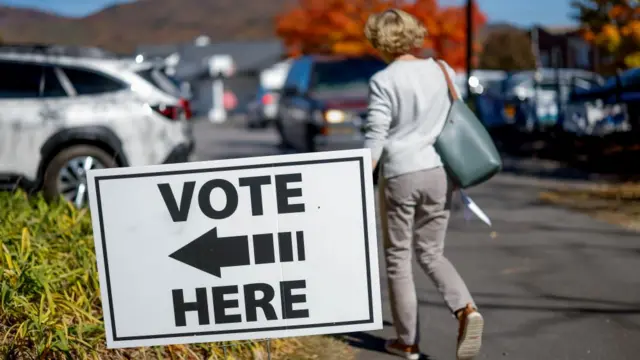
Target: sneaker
(410, 352)
(469, 333)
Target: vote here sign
(236, 249)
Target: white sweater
(408, 105)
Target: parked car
(479, 81)
(262, 110)
(531, 99)
(66, 110)
(624, 86)
(323, 102)
(614, 106)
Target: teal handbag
(464, 145)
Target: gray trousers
(415, 211)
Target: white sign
(221, 65)
(237, 249)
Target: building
(189, 63)
(566, 45)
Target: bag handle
(452, 90)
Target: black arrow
(211, 253)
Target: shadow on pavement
(575, 156)
(520, 227)
(586, 310)
(370, 342)
(556, 309)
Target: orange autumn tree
(614, 27)
(337, 27)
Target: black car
(324, 101)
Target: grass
(49, 295)
(616, 204)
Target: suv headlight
(335, 116)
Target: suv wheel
(284, 142)
(309, 138)
(65, 174)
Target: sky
(519, 12)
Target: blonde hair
(394, 32)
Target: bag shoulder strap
(452, 90)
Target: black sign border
(115, 336)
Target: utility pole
(469, 44)
(556, 59)
(535, 45)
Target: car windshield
(350, 75)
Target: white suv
(66, 110)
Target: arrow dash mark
(285, 246)
(300, 240)
(263, 249)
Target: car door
(25, 123)
(294, 106)
(286, 92)
(300, 111)
(101, 99)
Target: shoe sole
(403, 354)
(471, 340)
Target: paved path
(552, 284)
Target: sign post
(240, 249)
(220, 67)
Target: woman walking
(408, 105)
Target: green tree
(507, 49)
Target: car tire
(284, 143)
(310, 135)
(257, 124)
(62, 158)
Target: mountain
(18, 23)
(122, 27)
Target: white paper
(470, 208)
